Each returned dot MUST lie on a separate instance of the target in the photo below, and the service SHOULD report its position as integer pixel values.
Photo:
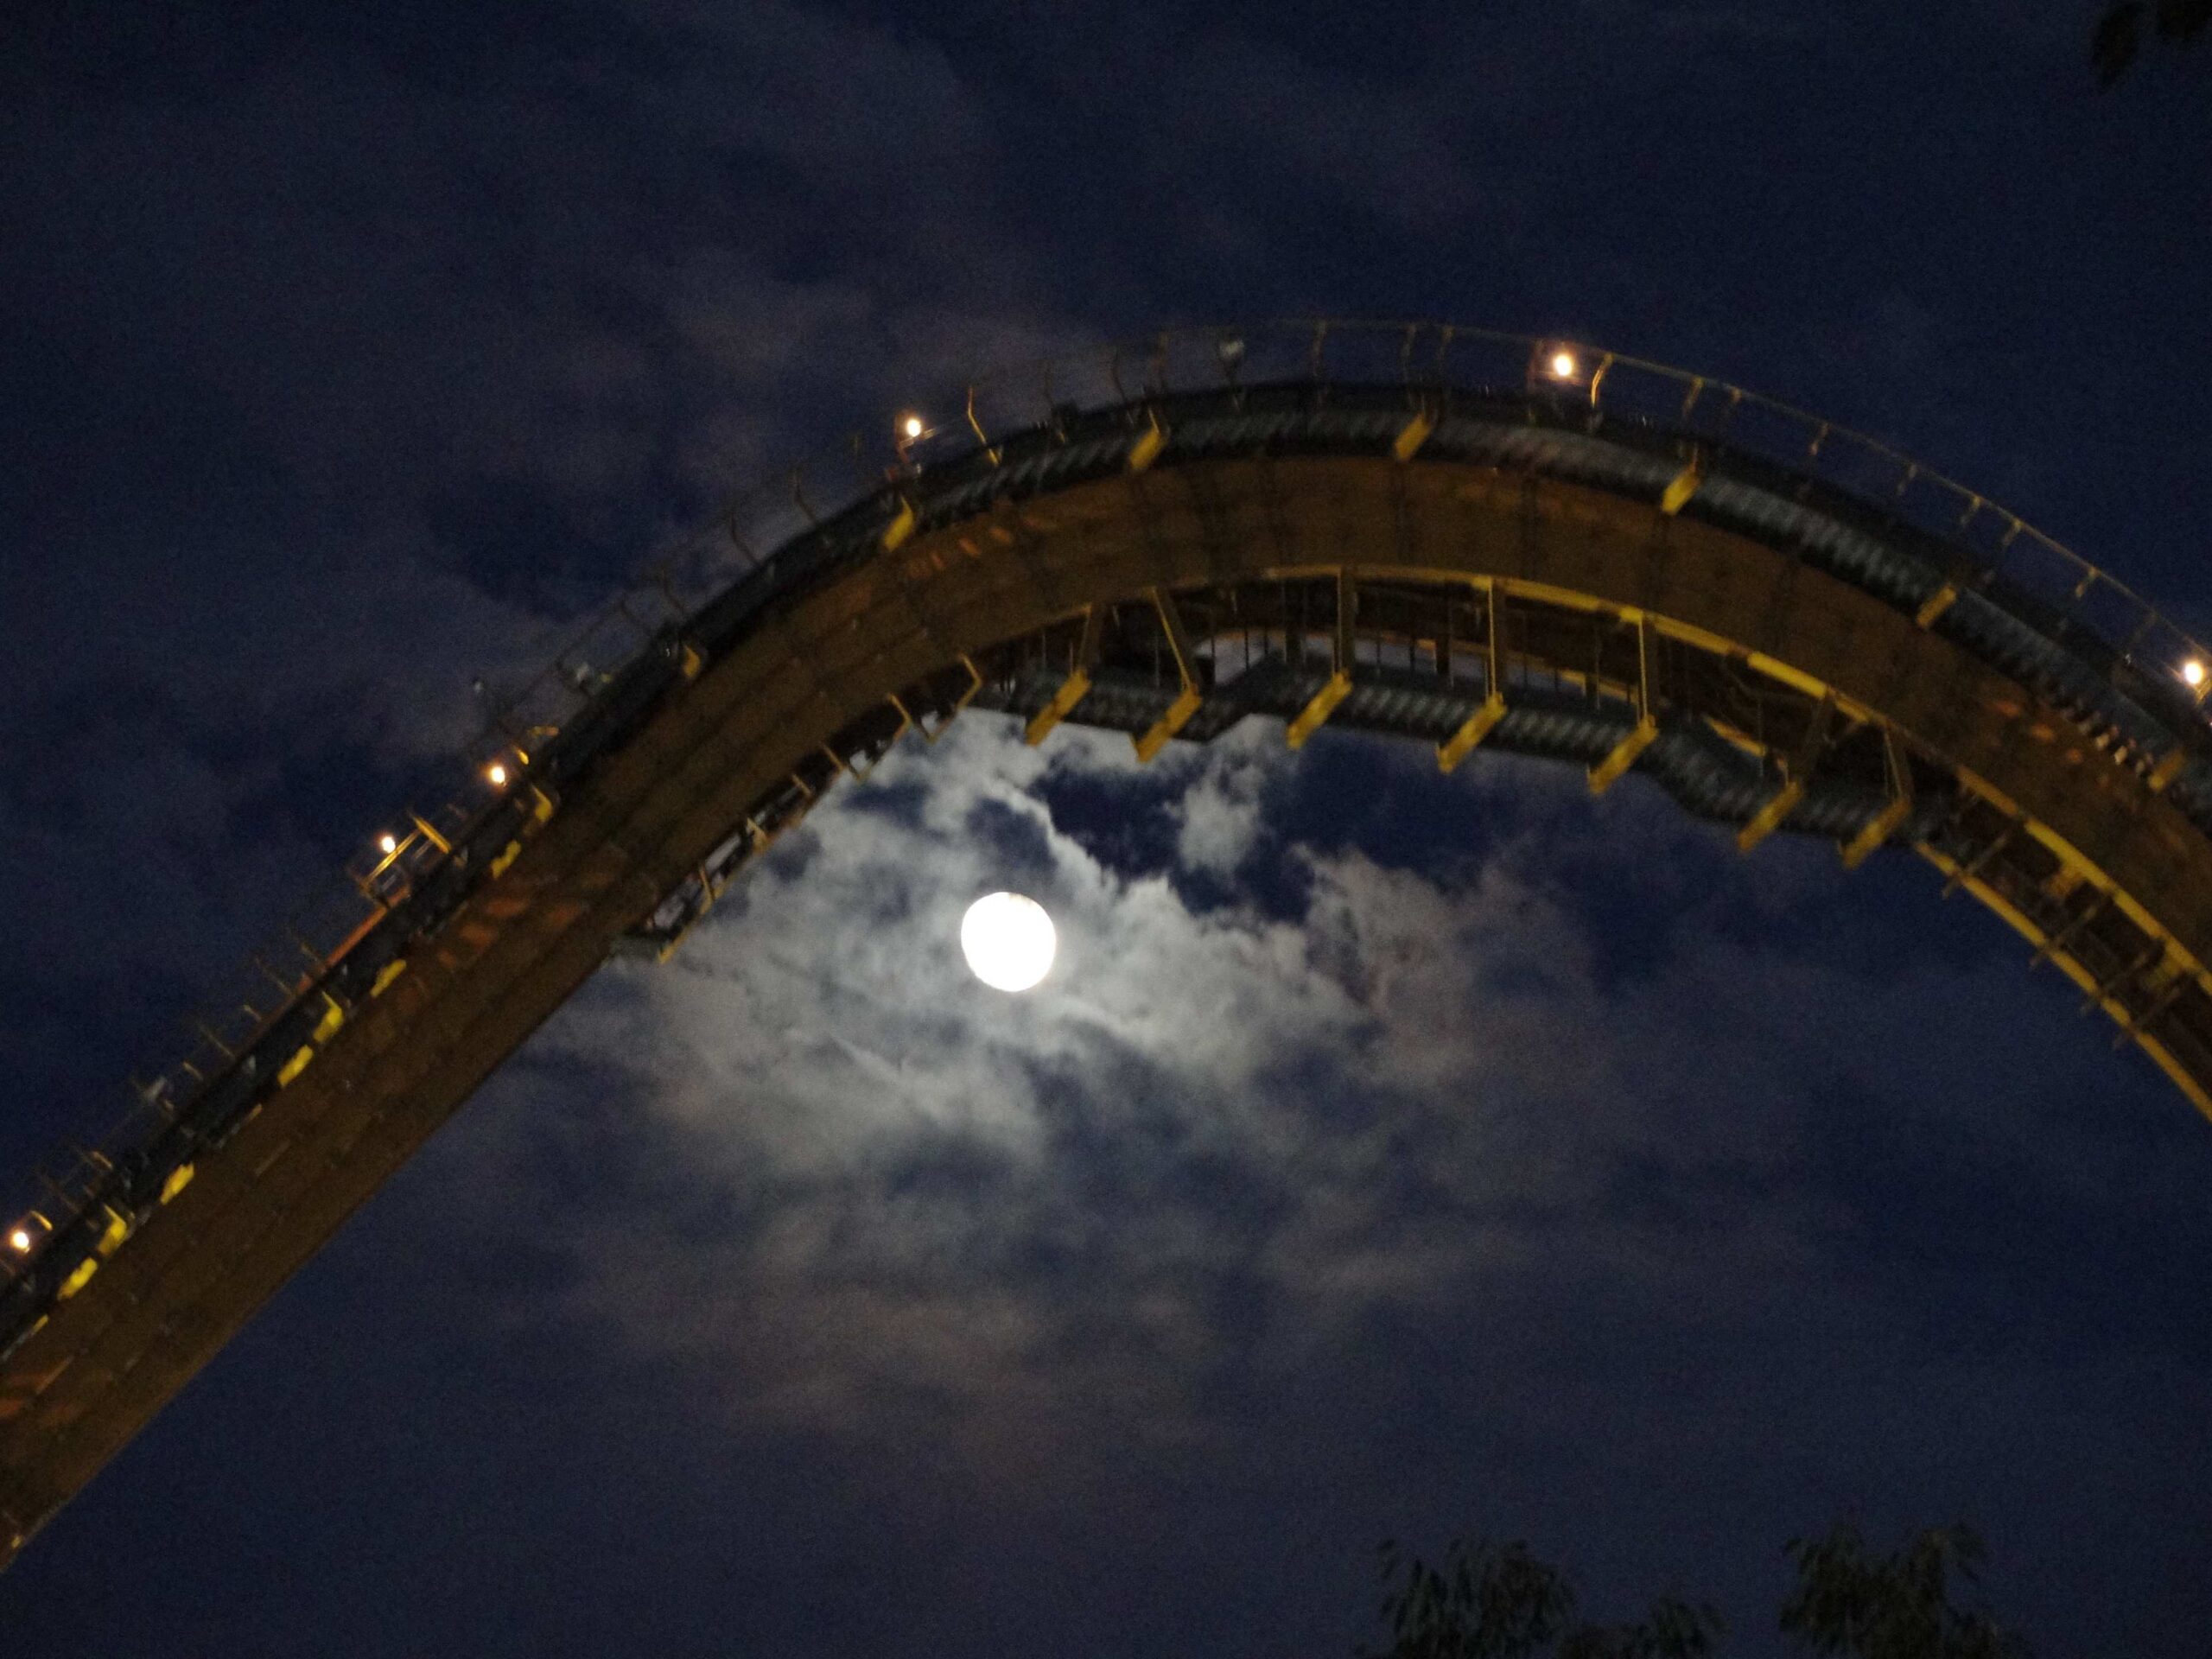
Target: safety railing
(748, 545)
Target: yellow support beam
(1178, 643)
(1607, 771)
(1461, 743)
(1187, 704)
(1769, 817)
(1071, 689)
(1310, 718)
(1146, 449)
(1879, 828)
(1339, 687)
(1177, 717)
(1414, 433)
(1072, 692)
(1936, 604)
(1677, 494)
(1891, 818)
(901, 529)
(2160, 1055)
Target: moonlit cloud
(1222, 1146)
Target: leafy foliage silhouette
(1497, 1601)
(2118, 40)
(1488, 1600)
(1896, 1606)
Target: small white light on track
(1009, 941)
(20, 1241)
(2193, 671)
(388, 845)
(1563, 366)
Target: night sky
(1387, 1155)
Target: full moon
(1008, 940)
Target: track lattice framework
(1522, 545)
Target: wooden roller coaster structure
(1468, 539)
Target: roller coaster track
(1468, 539)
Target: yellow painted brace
(1677, 494)
(1147, 449)
(292, 1068)
(2161, 1056)
(1177, 717)
(1936, 604)
(1179, 712)
(1607, 772)
(118, 1229)
(1310, 718)
(430, 835)
(1879, 828)
(511, 852)
(386, 974)
(1072, 689)
(180, 1178)
(930, 734)
(1461, 743)
(901, 529)
(1891, 818)
(1411, 436)
(862, 774)
(76, 1280)
(333, 1016)
(1769, 817)
(693, 662)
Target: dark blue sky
(1391, 1155)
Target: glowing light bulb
(20, 1241)
(1009, 941)
(2193, 671)
(912, 426)
(1563, 365)
(387, 845)
(496, 775)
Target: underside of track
(1467, 573)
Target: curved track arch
(1537, 557)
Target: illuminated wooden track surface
(1475, 567)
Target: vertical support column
(1891, 818)
(1339, 687)
(1072, 689)
(1187, 704)
(1607, 771)
(1478, 725)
